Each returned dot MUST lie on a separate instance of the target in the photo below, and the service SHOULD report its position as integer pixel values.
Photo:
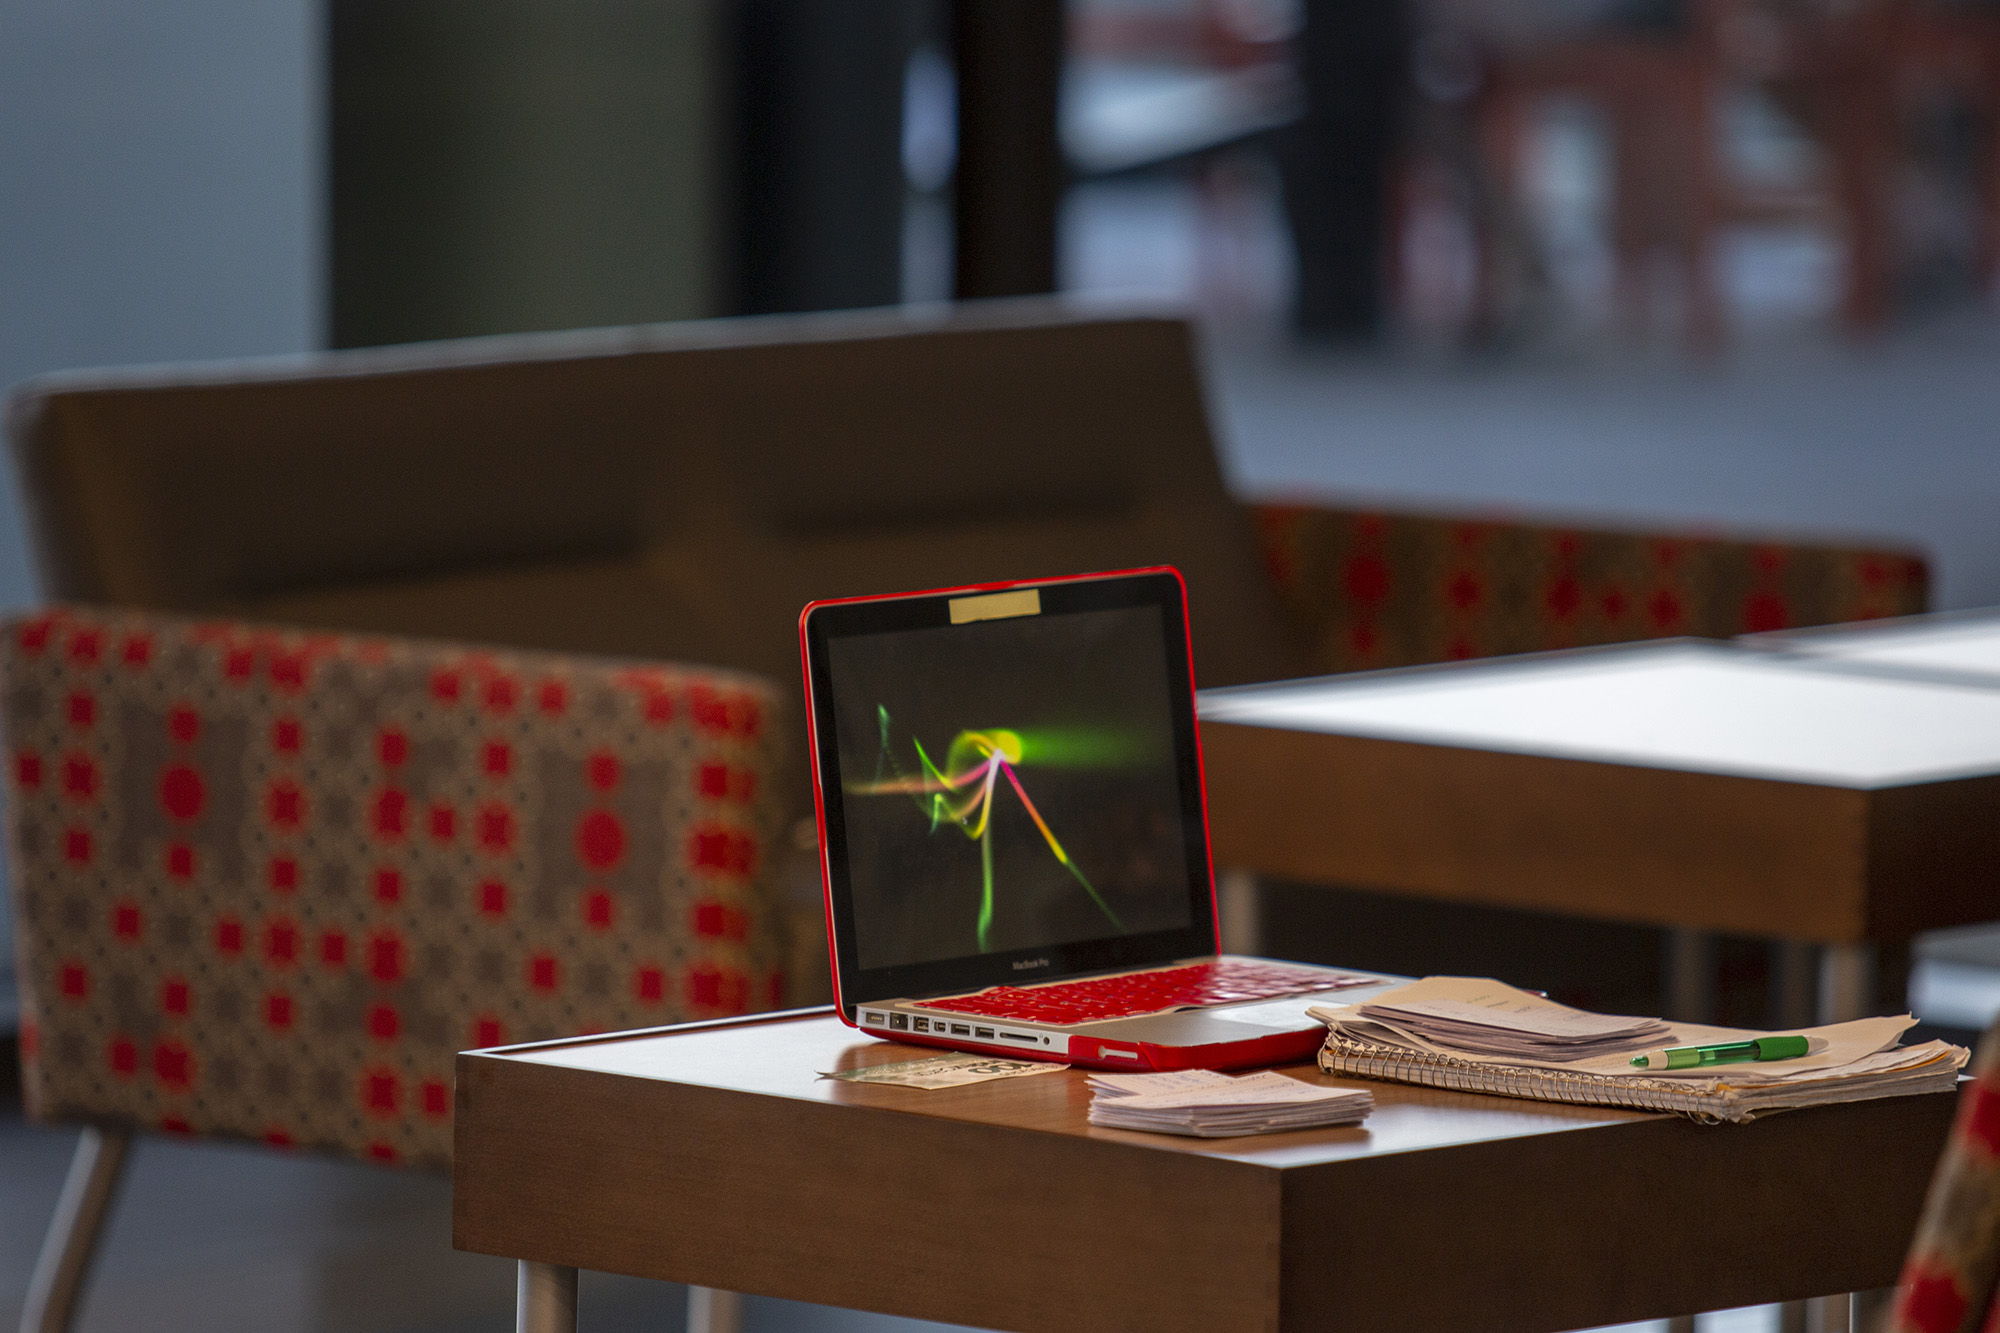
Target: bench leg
(73, 1233)
(545, 1298)
(712, 1311)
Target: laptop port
(922, 1024)
(1017, 1036)
(875, 1019)
(983, 1032)
(961, 1029)
(900, 1022)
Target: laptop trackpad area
(1203, 1027)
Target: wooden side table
(715, 1155)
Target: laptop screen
(1009, 784)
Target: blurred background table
(716, 1154)
(1961, 646)
(1701, 787)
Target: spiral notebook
(1856, 1061)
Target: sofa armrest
(1371, 588)
(268, 883)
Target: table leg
(1846, 982)
(712, 1311)
(1239, 909)
(1690, 975)
(1792, 1314)
(1681, 1323)
(1828, 1314)
(1869, 1310)
(544, 1298)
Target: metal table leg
(712, 1311)
(545, 1299)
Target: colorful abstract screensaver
(960, 795)
(1008, 786)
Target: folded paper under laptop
(1013, 835)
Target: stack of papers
(1477, 1035)
(1209, 1105)
(1501, 1021)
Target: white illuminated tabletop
(1691, 705)
(1962, 645)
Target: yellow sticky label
(996, 606)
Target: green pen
(1727, 1053)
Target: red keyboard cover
(1197, 985)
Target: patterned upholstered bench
(1366, 589)
(268, 883)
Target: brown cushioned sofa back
(672, 492)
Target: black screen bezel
(823, 622)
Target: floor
(239, 1240)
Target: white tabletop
(1963, 644)
(1686, 704)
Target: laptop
(1013, 836)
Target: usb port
(900, 1022)
(983, 1032)
(923, 1024)
(961, 1029)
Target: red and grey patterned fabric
(1381, 590)
(1952, 1274)
(268, 883)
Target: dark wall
(504, 165)
(510, 165)
(819, 179)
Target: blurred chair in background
(269, 882)
(1904, 95)
(1951, 1277)
(1651, 72)
(1873, 86)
